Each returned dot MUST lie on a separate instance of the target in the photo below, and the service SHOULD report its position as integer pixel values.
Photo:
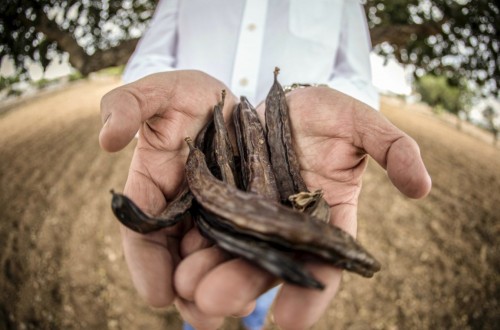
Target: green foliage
(75, 76)
(14, 92)
(41, 30)
(441, 95)
(113, 71)
(42, 83)
(458, 39)
(7, 82)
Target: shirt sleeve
(351, 73)
(156, 50)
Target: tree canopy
(437, 92)
(96, 34)
(458, 39)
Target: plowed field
(60, 253)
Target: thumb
(406, 168)
(121, 115)
(188, 94)
(394, 150)
(125, 108)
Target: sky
(399, 82)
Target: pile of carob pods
(254, 204)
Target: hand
(333, 134)
(164, 108)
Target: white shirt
(240, 42)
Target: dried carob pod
(261, 180)
(279, 139)
(223, 148)
(284, 159)
(205, 142)
(254, 153)
(255, 214)
(131, 216)
(243, 166)
(312, 203)
(265, 255)
(261, 253)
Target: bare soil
(61, 261)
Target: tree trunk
(114, 56)
(78, 58)
(399, 35)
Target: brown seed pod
(279, 139)
(263, 254)
(131, 216)
(222, 146)
(255, 214)
(253, 149)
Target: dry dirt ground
(62, 265)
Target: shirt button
(251, 27)
(243, 81)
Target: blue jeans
(256, 319)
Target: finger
(150, 264)
(193, 268)
(398, 153)
(193, 241)
(231, 287)
(192, 315)
(187, 95)
(121, 118)
(299, 308)
(125, 108)
(150, 258)
(406, 168)
(196, 318)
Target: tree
(458, 39)
(437, 92)
(96, 34)
(455, 38)
(493, 121)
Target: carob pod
(260, 177)
(260, 180)
(301, 251)
(284, 159)
(222, 146)
(255, 159)
(243, 166)
(312, 203)
(205, 142)
(320, 209)
(131, 216)
(279, 140)
(276, 262)
(256, 214)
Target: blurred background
(437, 66)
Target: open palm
(163, 108)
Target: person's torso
(241, 42)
